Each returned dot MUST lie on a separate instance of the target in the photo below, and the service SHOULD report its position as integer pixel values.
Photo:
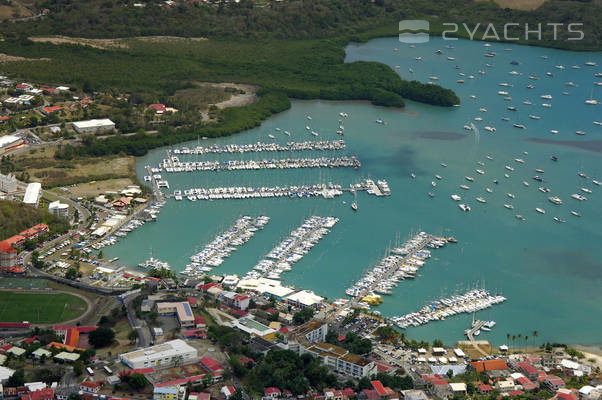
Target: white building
(93, 125)
(59, 209)
(340, 360)
(313, 331)
(8, 140)
(33, 194)
(8, 183)
(163, 355)
(304, 299)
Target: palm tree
(513, 339)
(520, 336)
(508, 336)
(526, 340)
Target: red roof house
(272, 392)
(41, 394)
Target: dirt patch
(519, 4)
(237, 99)
(108, 44)
(102, 44)
(4, 58)
(98, 187)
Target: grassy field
(23, 283)
(43, 167)
(39, 308)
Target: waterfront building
(163, 355)
(304, 298)
(312, 331)
(340, 360)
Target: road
(144, 335)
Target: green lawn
(41, 308)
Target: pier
(173, 165)
(214, 253)
(399, 265)
(330, 191)
(260, 147)
(292, 249)
(157, 193)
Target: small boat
(581, 174)
(480, 171)
(543, 189)
(505, 119)
(380, 121)
(464, 187)
(433, 183)
(520, 217)
(443, 164)
(541, 171)
(525, 183)
(558, 219)
(438, 177)
(506, 176)
(488, 190)
(489, 129)
(272, 136)
(511, 108)
(579, 197)
(555, 200)
(527, 102)
(510, 195)
(509, 206)
(597, 183)
(554, 158)
(469, 178)
(548, 105)
(575, 213)
(540, 210)
(580, 133)
(413, 175)
(554, 131)
(489, 157)
(464, 207)
(481, 200)
(431, 194)
(468, 127)
(538, 178)
(509, 168)
(452, 239)
(519, 160)
(535, 117)
(455, 197)
(520, 126)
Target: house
(22, 87)
(93, 125)
(528, 369)
(158, 108)
(211, 365)
(553, 382)
(485, 389)
(89, 387)
(272, 392)
(504, 386)
(199, 396)
(169, 393)
(199, 321)
(50, 109)
(526, 383)
(228, 391)
(490, 365)
(40, 394)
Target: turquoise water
(550, 272)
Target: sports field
(39, 308)
(23, 283)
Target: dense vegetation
(16, 217)
(294, 19)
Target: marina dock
(260, 147)
(400, 263)
(157, 193)
(330, 191)
(293, 248)
(470, 302)
(213, 254)
(174, 165)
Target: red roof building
(516, 392)
(370, 394)
(489, 365)
(527, 369)
(526, 383)
(159, 108)
(211, 364)
(89, 387)
(553, 382)
(8, 256)
(42, 394)
(380, 389)
(199, 321)
(272, 392)
(51, 109)
(485, 389)
(192, 301)
(5, 325)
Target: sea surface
(549, 271)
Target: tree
(71, 273)
(450, 373)
(101, 337)
(78, 368)
(437, 343)
(386, 332)
(133, 335)
(17, 379)
(74, 396)
(137, 381)
(303, 316)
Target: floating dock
(214, 253)
(400, 263)
(380, 188)
(174, 165)
(471, 301)
(293, 248)
(261, 147)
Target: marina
(260, 147)
(400, 263)
(293, 248)
(378, 188)
(470, 302)
(173, 164)
(213, 254)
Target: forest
(16, 217)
